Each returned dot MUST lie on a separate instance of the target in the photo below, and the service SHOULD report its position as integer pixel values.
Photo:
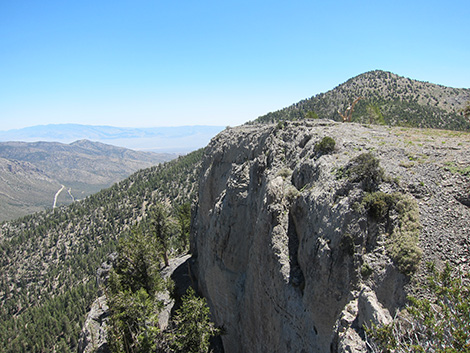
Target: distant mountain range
(181, 139)
(38, 175)
(385, 98)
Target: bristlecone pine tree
(440, 324)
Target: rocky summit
(306, 231)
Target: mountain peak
(399, 100)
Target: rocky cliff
(296, 249)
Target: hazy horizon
(110, 126)
(170, 139)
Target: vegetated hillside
(48, 260)
(386, 98)
(34, 172)
(23, 189)
(305, 231)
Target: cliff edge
(296, 251)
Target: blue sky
(168, 63)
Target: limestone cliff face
(287, 258)
(93, 337)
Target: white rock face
(280, 245)
(93, 337)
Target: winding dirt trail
(57, 195)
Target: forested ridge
(48, 260)
(385, 98)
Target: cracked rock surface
(281, 244)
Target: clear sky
(148, 63)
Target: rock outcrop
(93, 337)
(288, 257)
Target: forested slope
(48, 260)
(385, 98)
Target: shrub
(311, 115)
(281, 125)
(326, 145)
(365, 168)
(454, 169)
(366, 270)
(466, 111)
(402, 246)
(285, 173)
(379, 203)
(375, 115)
(438, 323)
